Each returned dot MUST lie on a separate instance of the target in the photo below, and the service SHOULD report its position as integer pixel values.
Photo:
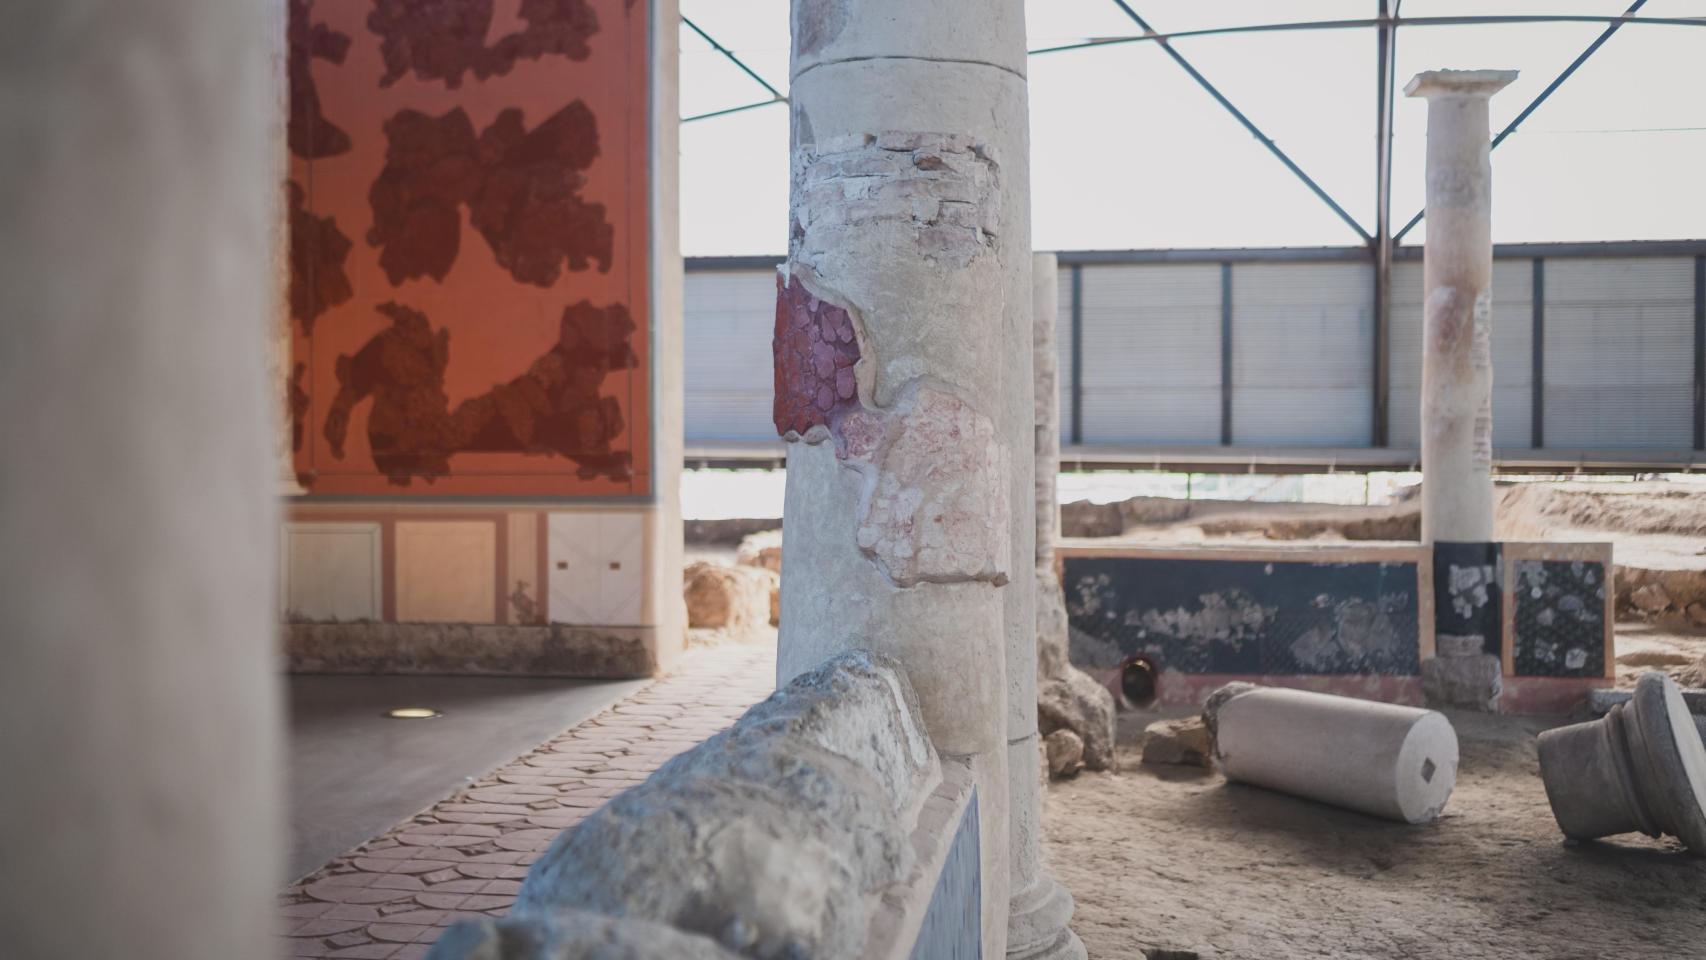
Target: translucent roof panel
(1129, 152)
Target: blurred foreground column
(139, 722)
(908, 279)
(1457, 361)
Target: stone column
(908, 272)
(139, 719)
(1068, 700)
(1457, 366)
(1040, 907)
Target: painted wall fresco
(468, 215)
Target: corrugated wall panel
(1302, 348)
(1151, 353)
(1513, 346)
(1063, 351)
(1619, 362)
(730, 317)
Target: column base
(1037, 923)
(1641, 768)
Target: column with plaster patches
(1457, 370)
(908, 274)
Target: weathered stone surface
(732, 597)
(938, 507)
(1472, 683)
(1182, 741)
(571, 935)
(1064, 752)
(1081, 518)
(1074, 701)
(774, 837)
(762, 549)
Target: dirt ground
(1176, 858)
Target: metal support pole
(1077, 354)
(1537, 418)
(1700, 352)
(1386, 55)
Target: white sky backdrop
(1128, 152)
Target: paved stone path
(392, 896)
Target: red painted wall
(468, 210)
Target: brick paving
(392, 896)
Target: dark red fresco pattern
(553, 408)
(317, 253)
(815, 352)
(384, 150)
(445, 39)
(522, 189)
(307, 131)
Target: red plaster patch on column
(815, 351)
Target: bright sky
(1128, 152)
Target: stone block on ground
(1650, 598)
(1469, 683)
(1081, 518)
(1183, 741)
(1074, 701)
(1064, 752)
(731, 597)
(1068, 698)
(762, 549)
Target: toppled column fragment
(1642, 768)
(1399, 763)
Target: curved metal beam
(1370, 22)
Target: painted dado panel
(446, 571)
(594, 572)
(331, 571)
(467, 197)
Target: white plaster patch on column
(936, 507)
(1481, 358)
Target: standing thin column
(1457, 367)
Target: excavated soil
(1176, 862)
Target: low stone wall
(817, 826)
(469, 649)
(1513, 626)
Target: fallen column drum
(1381, 759)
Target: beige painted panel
(330, 571)
(622, 583)
(596, 570)
(446, 571)
(523, 598)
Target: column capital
(1458, 83)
